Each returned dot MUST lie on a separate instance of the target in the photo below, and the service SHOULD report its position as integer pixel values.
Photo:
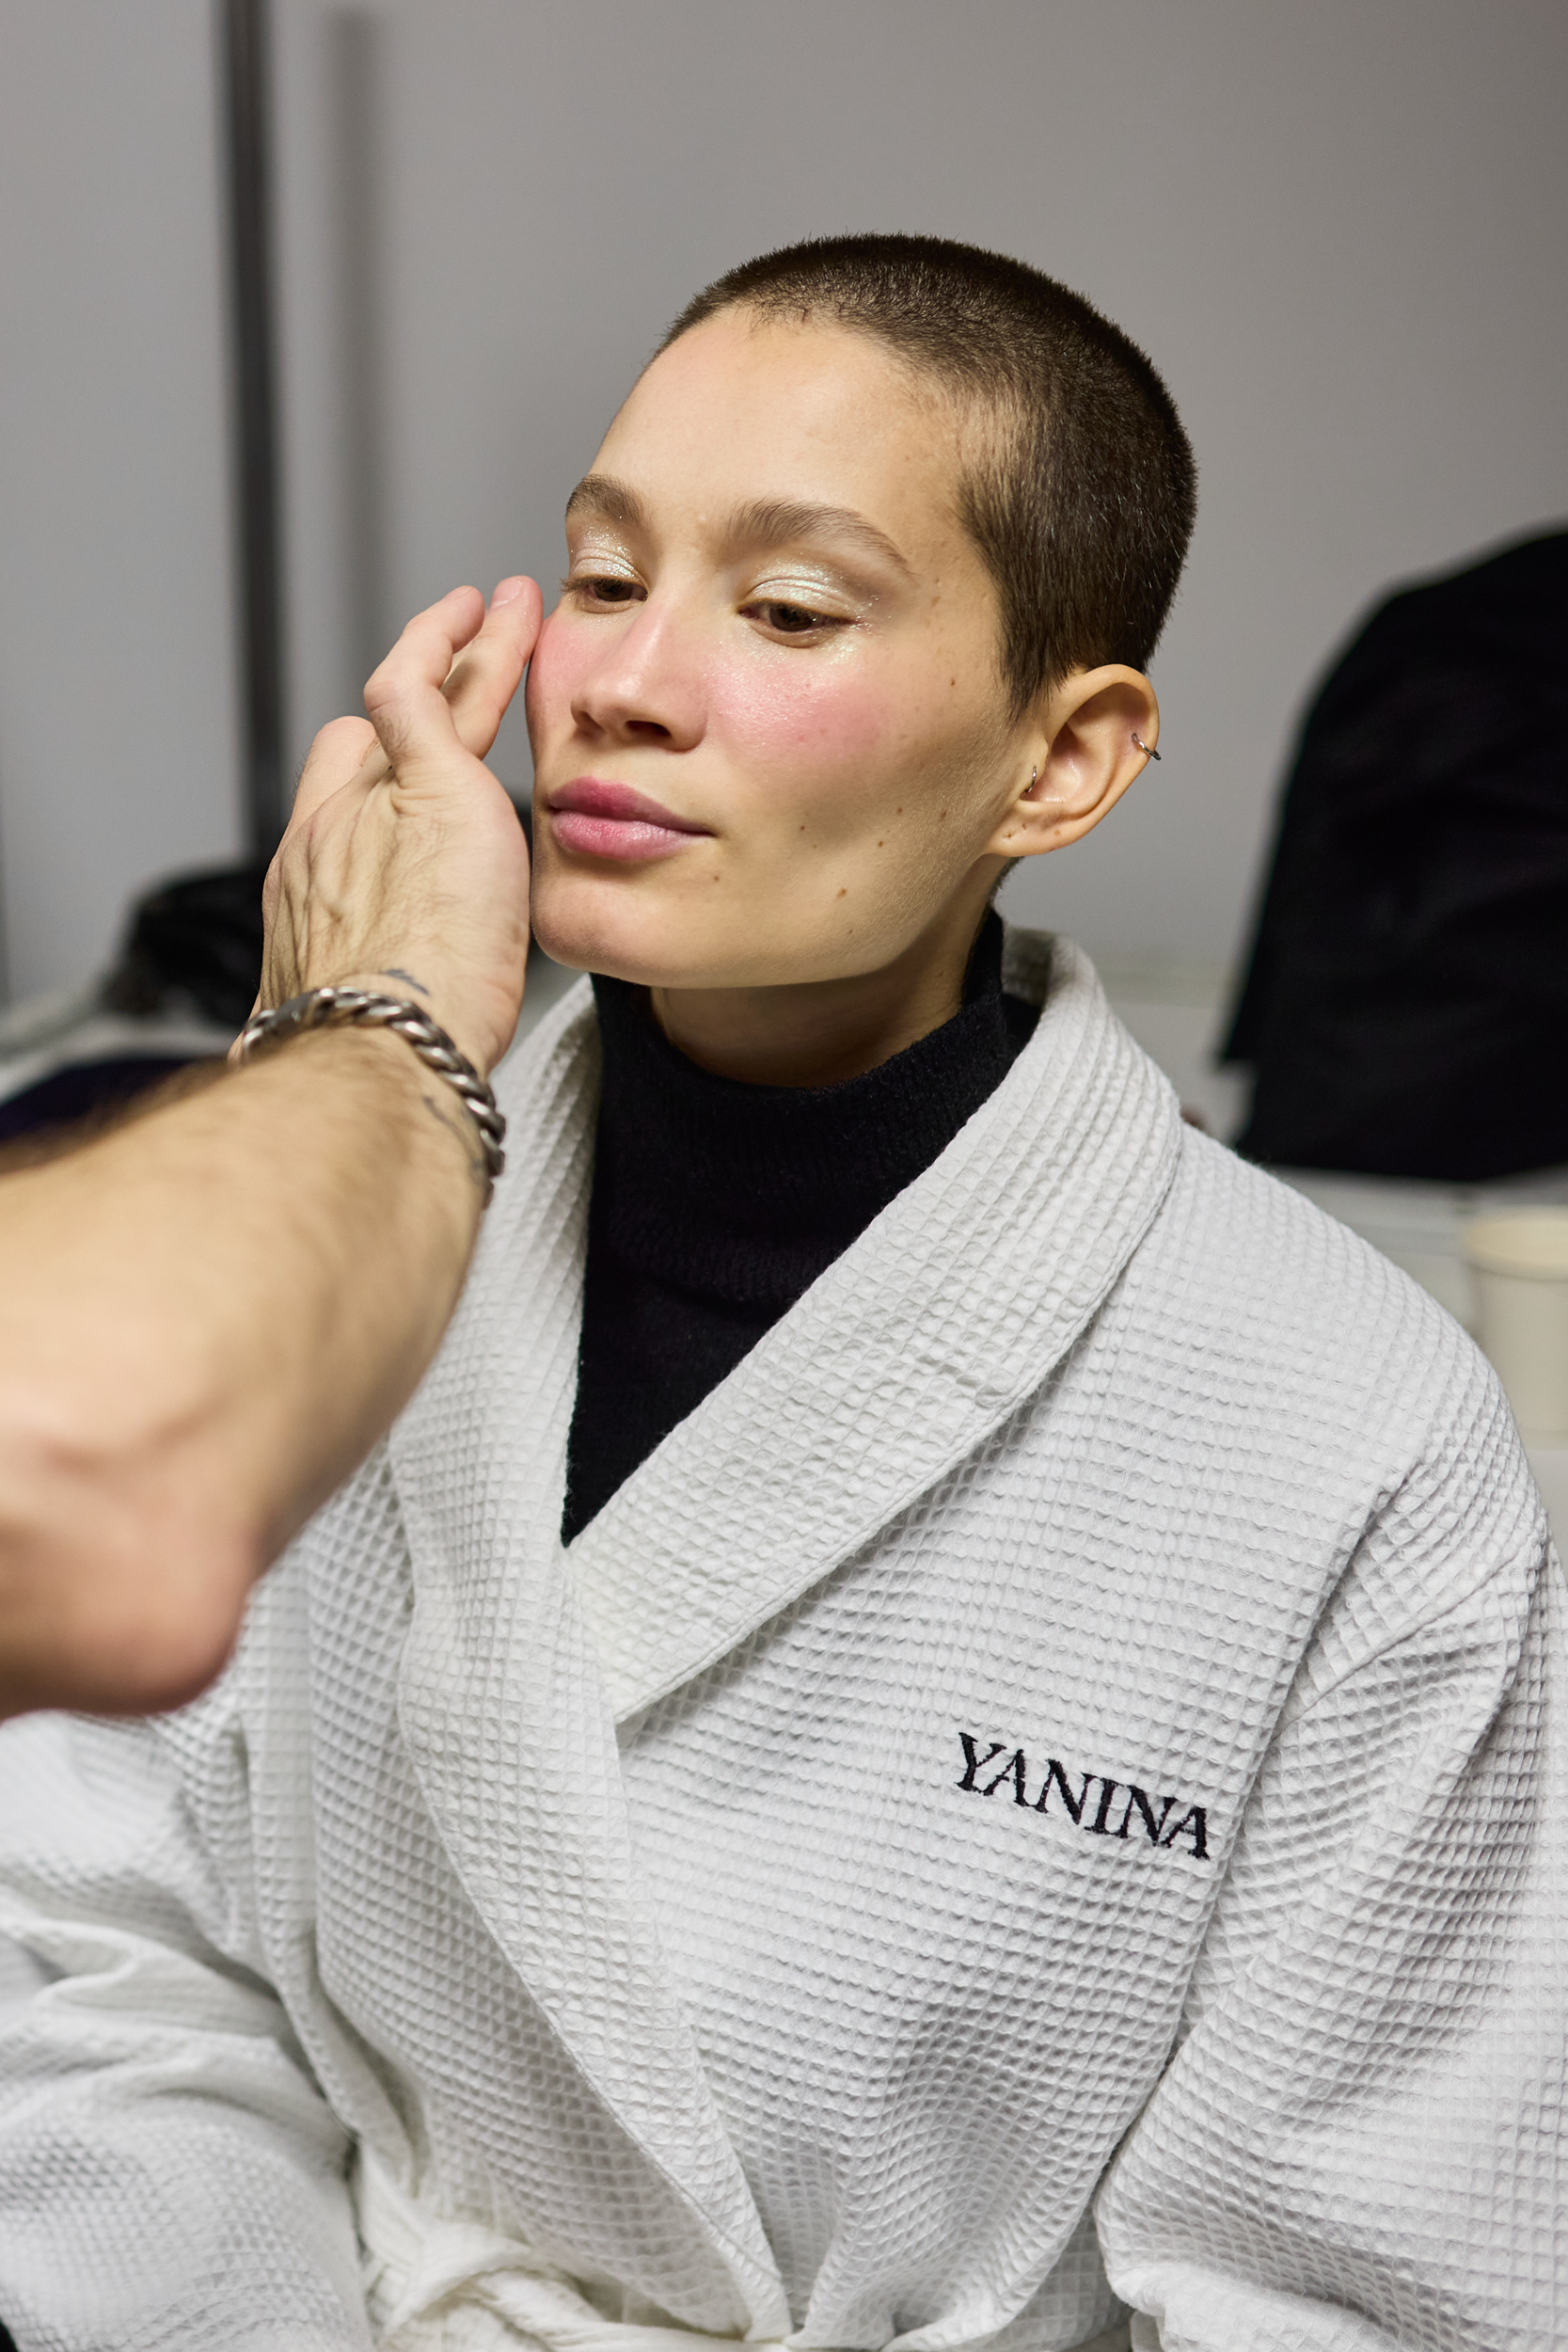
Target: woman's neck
(816, 1033)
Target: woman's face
(770, 731)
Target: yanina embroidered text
(1163, 1827)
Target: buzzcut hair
(1081, 504)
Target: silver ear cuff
(1147, 749)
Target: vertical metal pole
(4, 999)
(356, 82)
(245, 49)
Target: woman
(934, 1729)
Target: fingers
(451, 673)
(487, 672)
(403, 697)
(430, 873)
(473, 659)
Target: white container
(1519, 1264)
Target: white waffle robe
(1043, 1799)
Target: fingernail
(508, 592)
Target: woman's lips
(597, 819)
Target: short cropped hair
(1083, 504)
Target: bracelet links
(340, 1007)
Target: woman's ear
(1094, 734)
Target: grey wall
(1337, 228)
(116, 678)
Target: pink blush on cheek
(821, 736)
(561, 660)
(820, 722)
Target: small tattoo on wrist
(392, 972)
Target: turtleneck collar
(746, 1194)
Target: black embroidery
(973, 1761)
(1192, 1824)
(1102, 1819)
(1056, 1776)
(1014, 1771)
(1138, 1803)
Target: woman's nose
(646, 686)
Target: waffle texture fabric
(1037, 1811)
(715, 1204)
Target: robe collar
(953, 1307)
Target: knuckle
(338, 737)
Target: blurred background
(1338, 229)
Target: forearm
(205, 1320)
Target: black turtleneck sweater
(716, 1204)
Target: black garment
(716, 1205)
(81, 1090)
(1407, 1006)
(194, 939)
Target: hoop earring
(1147, 749)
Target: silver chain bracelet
(336, 1008)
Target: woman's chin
(609, 941)
(655, 938)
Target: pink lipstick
(597, 819)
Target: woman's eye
(790, 620)
(603, 588)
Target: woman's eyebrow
(767, 522)
(615, 501)
(773, 522)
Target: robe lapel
(501, 1700)
(951, 1308)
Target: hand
(403, 866)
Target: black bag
(193, 949)
(1405, 1009)
(193, 942)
